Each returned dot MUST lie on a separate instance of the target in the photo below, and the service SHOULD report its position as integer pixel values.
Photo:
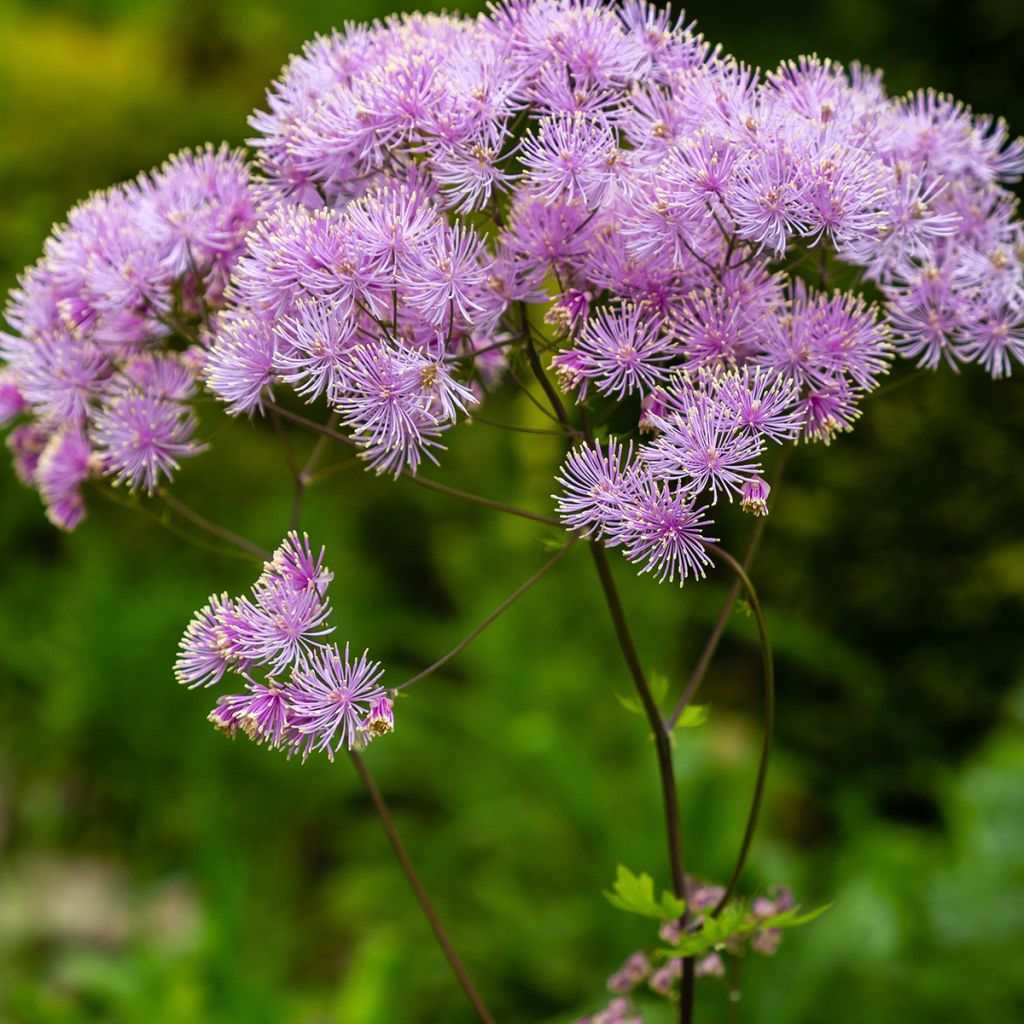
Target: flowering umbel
(300, 693)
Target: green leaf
(792, 918)
(659, 686)
(736, 921)
(693, 715)
(631, 704)
(635, 895)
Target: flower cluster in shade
(298, 692)
(663, 978)
(99, 374)
(594, 179)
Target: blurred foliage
(152, 871)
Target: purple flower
(598, 488)
(824, 339)
(64, 465)
(623, 350)
(261, 712)
(60, 376)
(204, 654)
(240, 368)
(12, 401)
(140, 438)
(295, 564)
(664, 979)
(706, 448)
(995, 338)
(397, 402)
(761, 402)
(313, 346)
(571, 156)
(829, 410)
(665, 533)
(26, 443)
(335, 700)
(755, 496)
(630, 974)
(380, 719)
(278, 626)
(442, 279)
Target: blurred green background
(151, 871)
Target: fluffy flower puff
(705, 448)
(824, 339)
(337, 700)
(204, 654)
(397, 401)
(622, 349)
(598, 489)
(140, 437)
(570, 156)
(64, 465)
(664, 532)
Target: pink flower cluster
(326, 699)
(589, 183)
(99, 374)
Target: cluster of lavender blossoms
(106, 358)
(300, 694)
(427, 182)
(584, 194)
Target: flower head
(336, 700)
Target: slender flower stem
(213, 528)
(309, 424)
(769, 724)
(663, 746)
(500, 610)
(532, 397)
(304, 477)
(717, 632)
(163, 521)
(661, 737)
(335, 468)
(545, 382)
(454, 961)
(477, 499)
(514, 427)
(433, 485)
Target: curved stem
(718, 630)
(454, 961)
(545, 382)
(769, 724)
(500, 610)
(164, 522)
(213, 528)
(309, 424)
(654, 719)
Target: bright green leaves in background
(635, 895)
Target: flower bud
(755, 496)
